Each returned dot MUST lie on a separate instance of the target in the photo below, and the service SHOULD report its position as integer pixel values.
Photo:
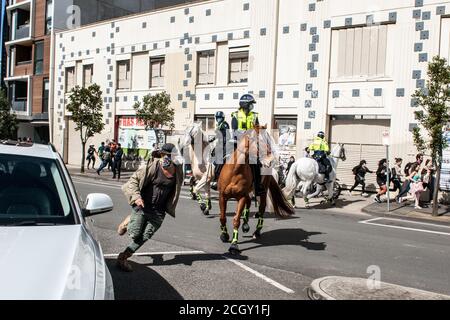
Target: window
(206, 67)
(360, 52)
(48, 17)
(239, 67)
(208, 122)
(88, 71)
(70, 78)
(123, 74)
(46, 88)
(23, 55)
(157, 72)
(39, 58)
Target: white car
(47, 249)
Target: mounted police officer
(222, 149)
(246, 119)
(320, 150)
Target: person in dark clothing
(91, 156)
(381, 179)
(360, 172)
(106, 159)
(222, 149)
(397, 175)
(289, 165)
(117, 162)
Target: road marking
(371, 222)
(261, 276)
(113, 255)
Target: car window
(34, 189)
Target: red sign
(131, 122)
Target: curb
(417, 218)
(345, 288)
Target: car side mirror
(97, 203)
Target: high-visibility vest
(245, 122)
(319, 144)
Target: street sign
(386, 138)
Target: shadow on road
(287, 237)
(252, 216)
(339, 204)
(189, 259)
(141, 284)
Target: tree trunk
(437, 182)
(83, 145)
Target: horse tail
(291, 181)
(281, 206)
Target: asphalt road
(186, 259)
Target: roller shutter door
(74, 145)
(363, 140)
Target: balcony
(19, 95)
(19, 105)
(22, 32)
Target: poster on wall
(132, 135)
(445, 170)
(287, 147)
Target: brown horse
(236, 182)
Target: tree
(86, 105)
(8, 120)
(155, 111)
(434, 117)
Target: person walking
(428, 178)
(408, 170)
(113, 147)
(289, 165)
(416, 188)
(381, 179)
(91, 156)
(407, 185)
(152, 192)
(397, 175)
(100, 151)
(360, 172)
(106, 159)
(117, 162)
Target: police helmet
(220, 114)
(321, 134)
(246, 102)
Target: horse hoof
(245, 228)
(206, 212)
(225, 237)
(234, 249)
(203, 207)
(257, 234)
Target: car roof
(28, 150)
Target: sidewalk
(343, 288)
(105, 175)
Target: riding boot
(259, 188)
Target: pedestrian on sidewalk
(100, 151)
(117, 162)
(410, 169)
(360, 172)
(289, 165)
(113, 147)
(91, 156)
(416, 188)
(106, 159)
(381, 179)
(428, 178)
(153, 191)
(397, 175)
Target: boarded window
(206, 67)
(360, 52)
(70, 78)
(157, 72)
(88, 72)
(239, 67)
(123, 74)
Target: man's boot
(259, 188)
(122, 261)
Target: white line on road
(370, 222)
(261, 276)
(113, 255)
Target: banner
(445, 170)
(132, 135)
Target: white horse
(305, 172)
(200, 160)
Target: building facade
(346, 67)
(28, 65)
(4, 38)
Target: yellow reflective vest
(319, 144)
(245, 122)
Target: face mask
(219, 120)
(167, 161)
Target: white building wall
(292, 54)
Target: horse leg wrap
(245, 215)
(260, 224)
(223, 229)
(235, 237)
(209, 204)
(199, 198)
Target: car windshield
(33, 192)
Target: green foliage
(86, 105)
(155, 111)
(8, 120)
(434, 101)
